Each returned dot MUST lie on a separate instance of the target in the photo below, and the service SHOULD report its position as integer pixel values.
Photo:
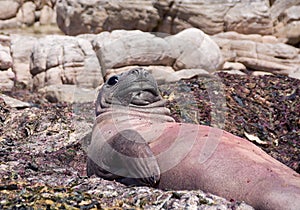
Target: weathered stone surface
(68, 93)
(21, 47)
(185, 74)
(14, 103)
(8, 9)
(258, 55)
(190, 48)
(260, 73)
(16, 13)
(122, 48)
(233, 66)
(194, 49)
(279, 6)
(64, 60)
(5, 40)
(289, 26)
(234, 71)
(94, 16)
(214, 16)
(9, 23)
(251, 17)
(47, 16)
(26, 13)
(5, 58)
(7, 79)
(167, 16)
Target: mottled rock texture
(246, 16)
(260, 53)
(64, 60)
(16, 13)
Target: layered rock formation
(16, 13)
(7, 77)
(262, 53)
(248, 17)
(64, 60)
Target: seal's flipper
(127, 158)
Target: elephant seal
(136, 142)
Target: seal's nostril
(146, 73)
(135, 71)
(139, 72)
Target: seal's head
(135, 88)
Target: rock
(21, 47)
(68, 93)
(289, 26)
(26, 13)
(94, 16)
(258, 55)
(14, 103)
(123, 48)
(212, 17)
(64, 60)
(8, 9)
(280, 6)
(233, 66)
(234, 71)
(190, 48)
(5, 58)
(5, 40)
(194, 49)
(252, 17)
(186, 74)
(47, 16)
(7, 80)
(75, 17)
(9, 23)
(260, 73)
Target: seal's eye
(113, 80)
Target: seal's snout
(140, 73)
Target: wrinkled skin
(136, 142)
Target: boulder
(186, 74)
(68, 93)
(279, 6)
(233, 66)
(7, 79)
(5, 58)
(188, 49)
(21, 47)
(289, 26)
(64, 60)
(194, 49)
(26, 14)
(94, 16)
(8, 9)
(252, 17)
(47, 16)
(123, 48)
(14, 103)
(274, 57)
(214, 16)
(9, 23)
